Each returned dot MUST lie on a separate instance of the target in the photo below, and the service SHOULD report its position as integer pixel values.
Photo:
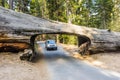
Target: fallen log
(12, 22)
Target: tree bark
(11, 4)
(3, 3)
(23, 24)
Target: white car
(50, 45)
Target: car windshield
(51, 42)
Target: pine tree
(2, 3)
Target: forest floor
(10, 64)
(12, 68)
(106, 60)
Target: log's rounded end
(13, 47)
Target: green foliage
(115, 23)
(39, 8)
(104, 8)
(68, 39)
(57, 10)
(103, 14)
(4, 3)
(21, 6)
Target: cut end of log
(13, 47)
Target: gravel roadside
(106, 60)
(12, 68)
(109, 60)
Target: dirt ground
(10, 64)
(107, 60)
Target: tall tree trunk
(11, 4)
(57, 38)
(68, 11)
(19, 5)
(3, 3)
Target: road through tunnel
(83, 42)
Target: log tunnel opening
(82, 40)
(84, 45)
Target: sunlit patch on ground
(108, 61)
(89, 60)
(60, 60)
(12, 68)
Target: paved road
(61, 66)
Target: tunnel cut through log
(83, 42)
(11, 45)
